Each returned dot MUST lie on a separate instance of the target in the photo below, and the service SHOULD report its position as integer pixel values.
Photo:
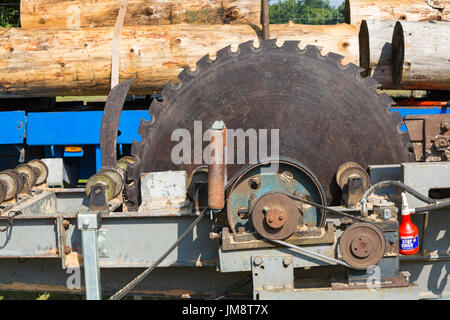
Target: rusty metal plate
(424, 130)
(325, 112)
(362, 245)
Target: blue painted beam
(12, 127)
(79, 127)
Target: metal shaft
(265, 19)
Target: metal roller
(30, 174)
(125, 161)
(116, 176)
(41, 168)
(11, 183)
(104, 179)
(349, 169)
(3, 188)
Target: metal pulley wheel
(105, 180)
(11, 180)
(350, 169)
(362, 245)
(258, 191)
(275, 216)
(41, 168)
(30, 174)
(116, 176)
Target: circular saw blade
(325, 112)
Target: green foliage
(306, 12)
(9, 13)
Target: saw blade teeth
(387, 100)
(155, 105)
(354, 69)
(223, 53)
(372, 83)
(204, 62)
(246, 47)
(269, 44)
(187, 74)
(145, 125)
(169, 89)
(312, 51)
(291, 45)
(334, 57)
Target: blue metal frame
(55, 130)
(79, 127)
(404, 111)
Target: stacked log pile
(404, 44)
(397, 10)
(73, 14)
(59, 60)
(65, 47)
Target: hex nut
(257, 261)
(287, 261)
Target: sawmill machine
(315, 217)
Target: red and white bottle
(408, 233)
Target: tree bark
(403, 10)
(426, 63)
(67, 14)
(78, 61)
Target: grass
(25, 295)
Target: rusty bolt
(66, 224)
(257, 261)
(67, 249)
(287, 261)
(214, 235)
(271, 219)
(280, 217)
(255, 182)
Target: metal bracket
(97, 200)
(355, 191)
(272, 273)
(248, 240)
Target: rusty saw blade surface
(325, 112)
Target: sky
(334, 3)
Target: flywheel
(325, 112)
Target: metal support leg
(89, 223)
